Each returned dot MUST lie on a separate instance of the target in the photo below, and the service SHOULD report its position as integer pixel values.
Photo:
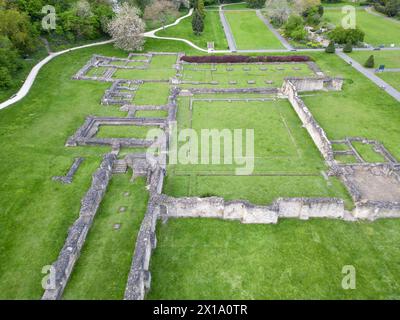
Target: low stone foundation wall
(316, 84)
(216, 207)
(373, 210)
(77, 233)
(316, 132)
(139, 276)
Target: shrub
(294, 28)
(5, 78)
(370, 63)
(348, 47)
(342, 36)
(330, 48)
(244, 59)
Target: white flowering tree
(278, 11)
(127, 28)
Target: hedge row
(244, 59)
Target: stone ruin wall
(78, 231)
(245, 212)
(315, 131)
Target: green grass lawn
(391, 59)
(276, 72)
(287, 163)
(361, 110)
(393, 78)
(36, 212)
(103, 267)
(367, 152)
(160, 68)
(151, 113)
(213, 31)
(378, 30)
(145, 95)
(128, 131)
(203, 258)
(215, 259)
(236, 6)
(250, 32)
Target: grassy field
(378, 30)
(103, 267)
(203, 258)
(214, 259)
(360, 110)
(393, 78)
(244, 73)
(287, 163)
(391, 59)
(244, 25)
(161, 68)
(213, 31)
(145, 94)
(36, 212)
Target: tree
(197, 23)
(392, 7)
(370, 63)
(348, 47)
(255, 3)
(330, 48)
(301, 6)
(160, 10)
(181, 4)
(127, 28)
(278, 11)
(199, 6)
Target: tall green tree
(197, 23)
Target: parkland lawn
(388, 58)
(378, 30)
(215, 259)
(195, 258)
(250, 32)
(213, 31)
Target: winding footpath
(24, 90)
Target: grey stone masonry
(318, 135)
(139, 276)
(76, 237)
(85, 134)
(70, 174)
(215, 207)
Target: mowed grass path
(250, 32)
(107, 253)
(378, 30)
(215, 259)
(213, 31)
